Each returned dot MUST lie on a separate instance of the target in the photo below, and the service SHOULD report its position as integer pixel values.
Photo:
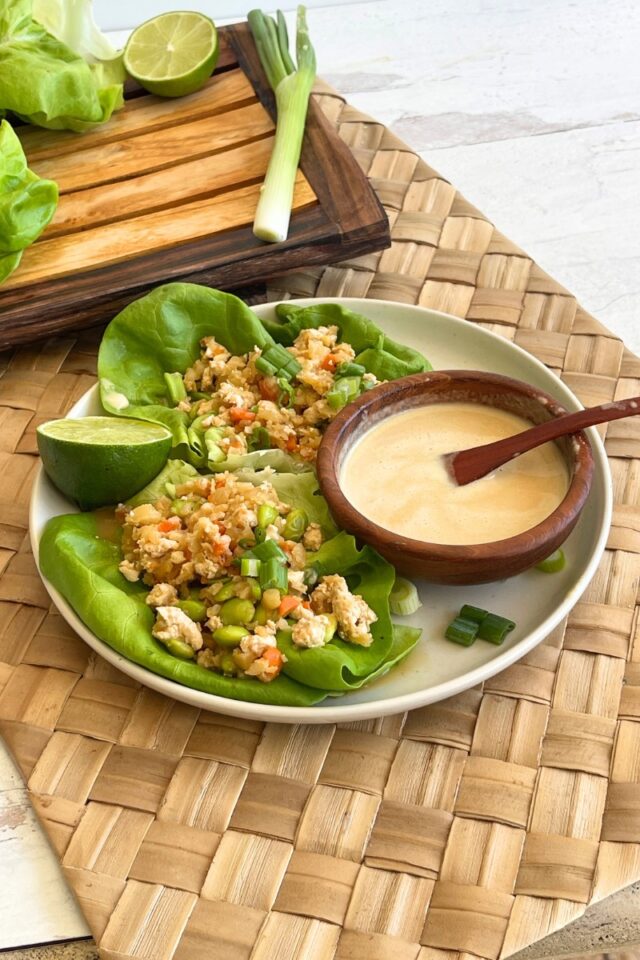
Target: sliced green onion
(268, 550)
(267, 514)
(199, 395)
(273, 573)
(284, 362)
(350, 370)
(295, 525)
(287, 393)
(495, 628)
(264, 366)
(554, 563)
(175, 387)
(292, 90)
(250, 566)
(259, 439)
(404, 599)
(462, 631)
(477, 614)
(343, 390)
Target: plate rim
(328, 713)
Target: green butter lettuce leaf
(81, 560)
(27, 203)
(382, 356)
(8, 264)
(347, 666)
(161, 332)
(84, 568)
(72, 22)
(44, 82)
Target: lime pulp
(102, 460)
(173, 54)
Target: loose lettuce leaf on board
(44, 82)
(27, 203)
(381, 355)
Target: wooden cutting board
(167, 190)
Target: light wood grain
(167, 188)
(94, 163)
(151, 233)
(223, 92)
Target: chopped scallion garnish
(554, 563)
(175, 387)
(494, 628)
(404, 599)
(250, 566)
(462, 631)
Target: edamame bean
(229, 636)
(237, 611)
(195, 609)
(181, 649)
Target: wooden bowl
(443, 563)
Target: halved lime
(102, 460)
(172, 54)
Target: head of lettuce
(46, 82)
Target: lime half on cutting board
(172, 54)
(102, 460)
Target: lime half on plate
(172, 54)
(102, 460)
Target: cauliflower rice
(190, 550)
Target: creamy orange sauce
(395, 476)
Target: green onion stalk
(292, 88)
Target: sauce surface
(395, 476)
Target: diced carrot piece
(171, 524)
(287, 604)
(273, 656)
(269, 389)
(306, 604)
(291, 444)
(238, 415)
(330, 362)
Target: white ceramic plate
(436, 668)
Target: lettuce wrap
(80, 554)
(161, 332)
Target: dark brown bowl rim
(337, 436)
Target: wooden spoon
(464, 466)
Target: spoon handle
(476, 462)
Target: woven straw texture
(463, 830)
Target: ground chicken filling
(276, 398)
(227, 566)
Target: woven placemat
(467, 829)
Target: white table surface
(533, 110)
